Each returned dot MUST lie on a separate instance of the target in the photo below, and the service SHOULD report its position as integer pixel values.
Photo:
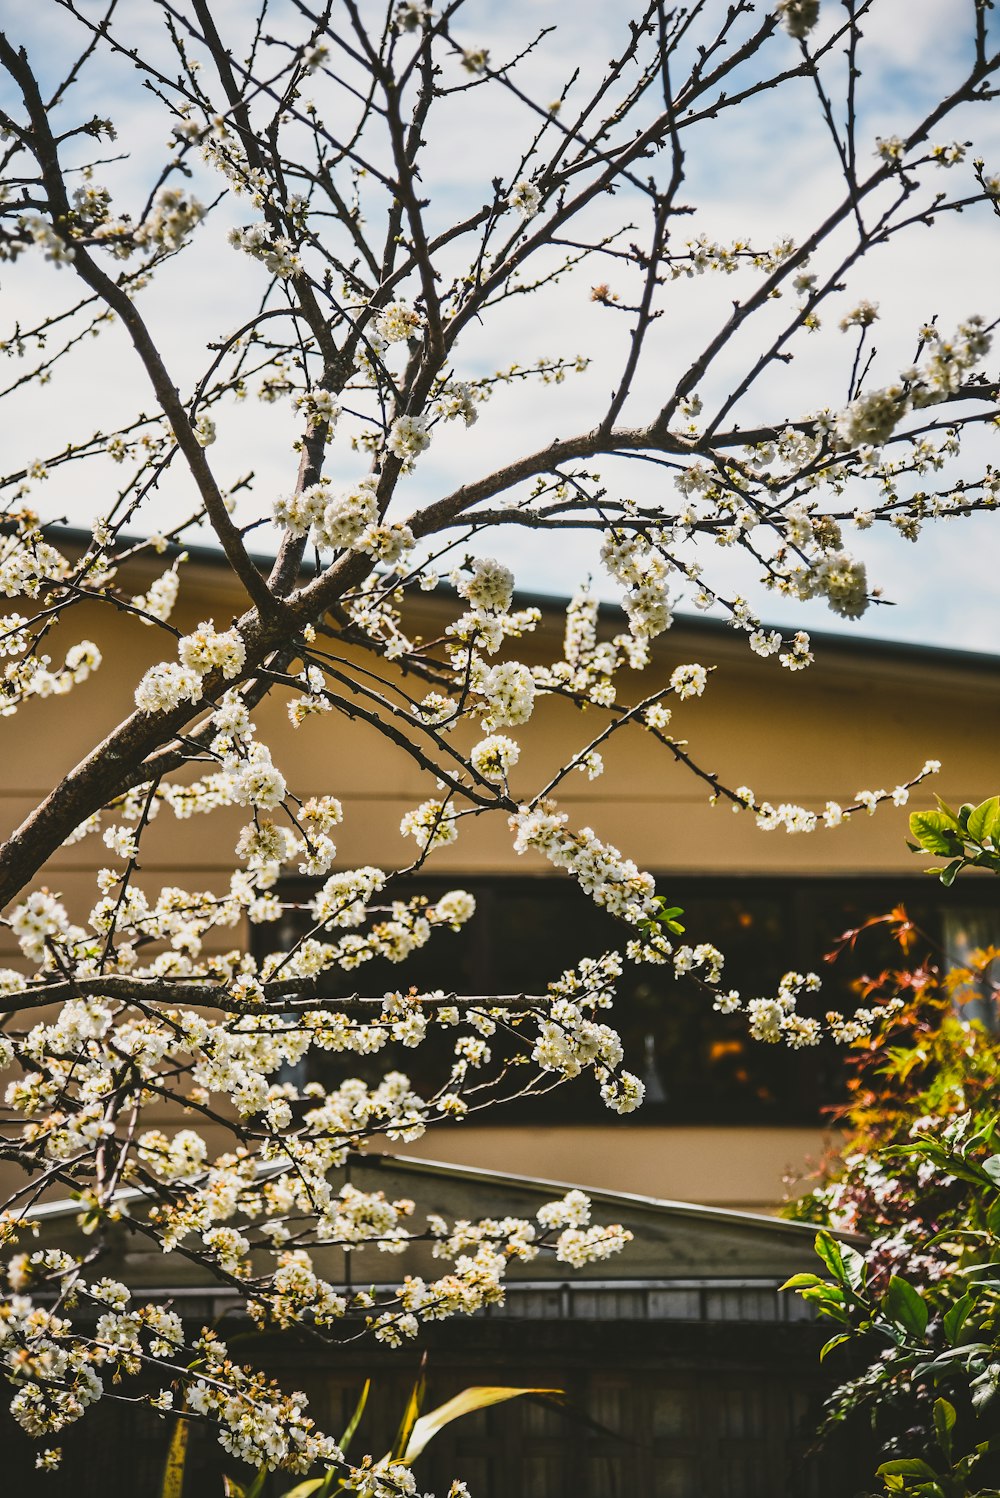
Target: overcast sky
(763, 173)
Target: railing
(709, 1300)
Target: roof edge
(416, 1165)
(553, 603)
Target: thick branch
(284, 995)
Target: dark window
(699, 1066)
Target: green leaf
(954, 1319)
(478, 1397)
(907, 1467)
(985, 1385)
(855, 1266)
(984, 822)
(829, 1303)
(833, 1342)
(410, 1414)
(992, 1168)
(802, 1282)
(355, 1420)
(944, 1422)
(969, 1352)
(828, 1250)
(303, 1489)
(904, 1306)
(257, 1486)
(231, 1488)
(173, 1467)
(949, 873)
(935, 833)
(951, 817)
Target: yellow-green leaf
(409, 1420)
(984, 822)
(802, 1282)
(173, 1467)
(934, 833)
(944, 1422)
(905, 1306)
(478, 1397)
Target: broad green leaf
(837, 1341)
(907, 1467)
(964, 1354)
(855, 1267)
(829, 1302)
(955, 1318)
(992, 1168)
(934, 833)
(985, 1386)
(944, 1422)
(173, 1468)
(478, 1397)
(828, 1250)
(950, 816)
(355, 1419)
(904, 1306)
(802, 1282)
(965, 1170)
(828, 1299)
(984, 822)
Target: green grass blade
(355, 1419)
(410, 1414)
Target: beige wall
(858, 718)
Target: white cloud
(759, 173)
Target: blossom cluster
(159, 1062)
(206, 650)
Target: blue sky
(761, 174)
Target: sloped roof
(672, 1241)
(714, 631)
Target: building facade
(677, 1369)
(728, 1122)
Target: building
(694, 1373)
(683, 1369)
(728, 1121)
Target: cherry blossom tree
(308, 167)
